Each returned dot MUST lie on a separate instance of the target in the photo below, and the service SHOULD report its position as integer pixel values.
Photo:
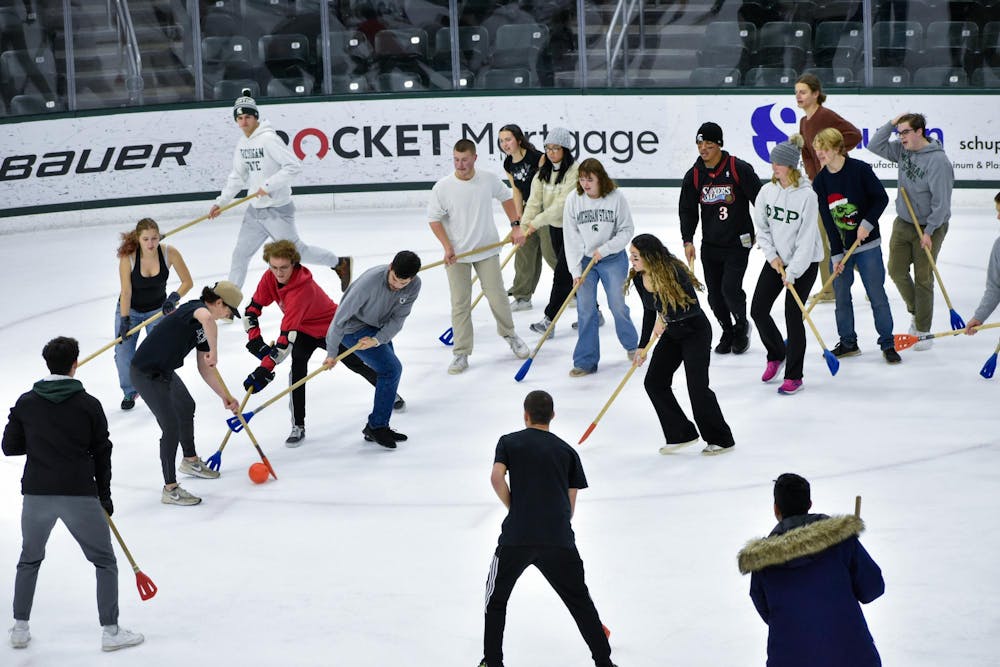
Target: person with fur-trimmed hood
(807, 578)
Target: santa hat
(835, 200)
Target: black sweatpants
(171, 403)
(689, 342)
(724, 270)
(769, 286)
(563, 569)
(302, 349)
(562, 281)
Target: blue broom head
(832, 362)
(524, 369)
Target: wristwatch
(515, 223)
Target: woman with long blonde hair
(143, 269)
(671, 312)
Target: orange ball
(258, 473)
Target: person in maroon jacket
(307, 314)
(809, 97)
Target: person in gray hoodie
(371, 313)
(926, 173)
(787, 220)
(63, 433)
(991, 296)
(265, 166)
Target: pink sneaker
(773, 367)
(790, 387)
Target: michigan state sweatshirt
(262, 160)
(603, 224)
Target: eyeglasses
(552, 148)
(905, 132)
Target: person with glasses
(306, 315)
(928, 177)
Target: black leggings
(688, 342)
(302, 349)
(562, 281)
(769, 286)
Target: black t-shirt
(166, 345)
(542, 469)
(523, 171)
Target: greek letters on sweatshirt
(991, 297)
(369, 302)
(262, 160)
(926, 174)
(603, 225)
(850, 198)
(465, 208)
(787, 226)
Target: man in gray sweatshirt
(991, 296)
(370, 315)
(926, 173)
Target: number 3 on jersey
(723, 212)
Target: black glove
(258, 347)
(123, 329)
(108, 506)
(257, 380)
(170, 305)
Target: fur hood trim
(808, 540)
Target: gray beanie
(788, 153)
(558, 136)
(245, 105)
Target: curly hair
(664, 271)
(283, 249)
(130, 240)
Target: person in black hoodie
(67, 477)
(808, 577)
(672, 313)
(723, 188)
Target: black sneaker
(741, 338)
(399, 405)
(891, 356)
(848, 350)
(128, 402)
(725, 345)
(383, 435)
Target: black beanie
(709, 132)
(791, 494)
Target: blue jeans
(611, 272)
(126, 350)
(385, 363)
(872, 272)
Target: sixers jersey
(722, 198)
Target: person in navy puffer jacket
(807, 578)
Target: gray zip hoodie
(926, 174)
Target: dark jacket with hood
(64, 433)
(808, 577)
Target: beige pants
(917, 290)
(460, 283)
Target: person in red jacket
(308, 312)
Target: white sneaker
(712, 450)
(116, 637)
(520, 304)
(517, 346)
(924, 344)
(19, 635)
(296, 437)
(178, 496)
(913, 326)
(197, 468)
(542, 325)
(672, 447)
(458, 364)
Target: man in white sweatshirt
(265, 165)
(460, 212)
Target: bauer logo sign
(380, 143)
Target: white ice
(358, 556)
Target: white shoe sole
(717, 451)
(677, 446)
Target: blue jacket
(808, 577)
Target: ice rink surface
(362, 557)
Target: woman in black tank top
(143, 268)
